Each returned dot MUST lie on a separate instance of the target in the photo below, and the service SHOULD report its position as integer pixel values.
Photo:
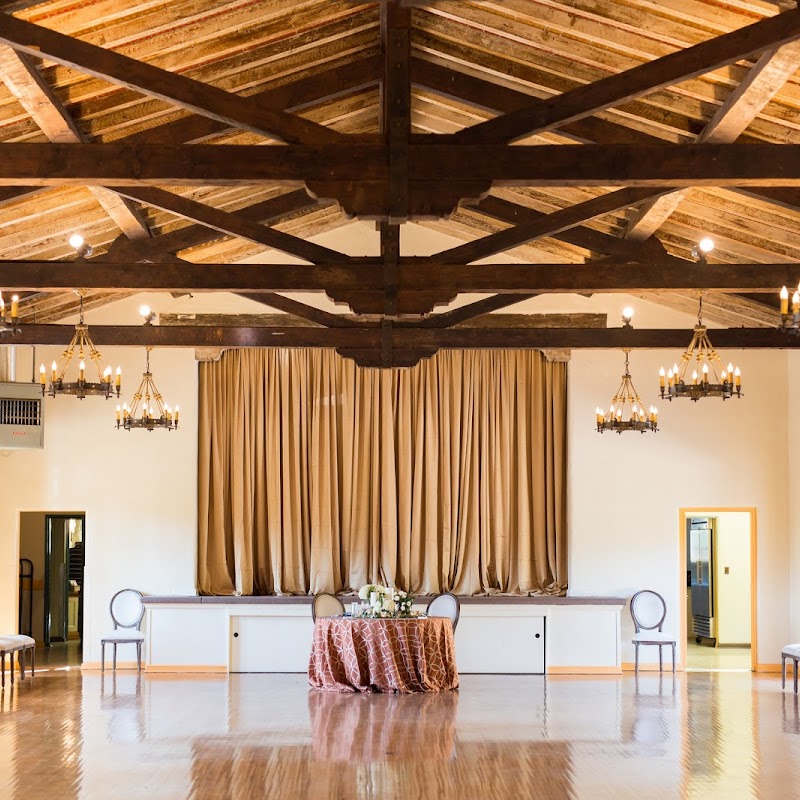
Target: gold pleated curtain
(317, 475)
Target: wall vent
(21, 416)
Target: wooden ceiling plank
(762, 83)
(233, 110)
(232, 224)
(583, 101)
(38, 99)
(414, 274)
(322, 87)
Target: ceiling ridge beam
(583, 101)
(174, 88)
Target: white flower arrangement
(385, 602)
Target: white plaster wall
(793, 494)
(626, 491)
(138, 489)
(732, 588)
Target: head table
(414, 654)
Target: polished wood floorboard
(68, 735)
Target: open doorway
(51, 549)
(718, 614)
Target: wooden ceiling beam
(762, 83)
(543, 225)
(232, 224)
(401, 338)
(201, 98)
(430, 165)
(417, 274)
(38, 99)
(583, 101)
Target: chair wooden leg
(11, 666)
(636, 657)
(783, 671)
(795, 676)
(660, 660)
(102, 656)
(33, 661)
(139, 656)
(115, 655)
(23, 657)
(673, 658)
(3, 668)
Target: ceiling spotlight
(77, 242)
(627, 316)
(147, 314)
(703, 248)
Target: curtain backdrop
(317, 475)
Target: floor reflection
(233, 737)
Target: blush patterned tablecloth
(383, 655)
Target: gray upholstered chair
(16, 643)
(326, 605)
(127, 610)
(790, 651)
(649, 610)
(445, 605)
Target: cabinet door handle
(236, 635)
(538, 635)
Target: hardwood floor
(710, 735)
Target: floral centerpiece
(382, 602)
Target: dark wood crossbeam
(584, 101)
(543, 225)
(184, 92)
(413, 275)
(434, 169)
(233, 224)
(400, 338)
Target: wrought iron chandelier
(154, 412)
(103, 386)
(9, 323)
(712, 380)
(790, 322)
(626, 412)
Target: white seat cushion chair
(790, 651)
(445, 605)
(16, 643)
(649, 610)
(326, 605)
(127, 610)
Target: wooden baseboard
(630, 666)
(584, 671)
(183, 669)
(95, 666)
(775, 668)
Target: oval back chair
(445, 605)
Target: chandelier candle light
(154, 412)
(790, 321)
(9, 324)
(104, 386)
(626, 412)
(708, 377)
